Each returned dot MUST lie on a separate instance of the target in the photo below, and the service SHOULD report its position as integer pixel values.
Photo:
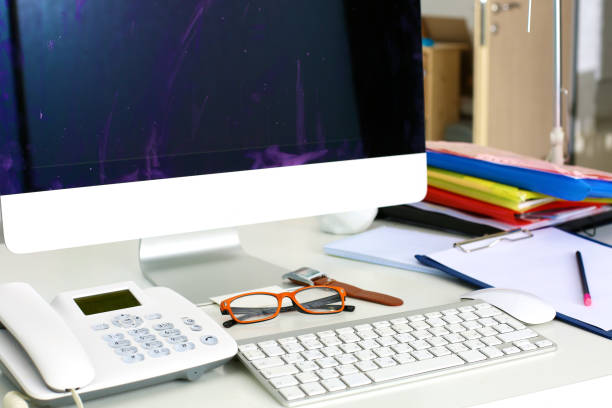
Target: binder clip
(488, 241)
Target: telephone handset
(104, 340)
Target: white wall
(450, 8)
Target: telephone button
(119, 343)
(196, 327)
(163, 326)
(170, 333)
(188, 321)
(138, 321)
(138, 332)
(145, 338)
(153, 316)
(149, 345)
(159, 352)
(126, 351)
(102, 326)
(209, 340)
(113, 337)
(177, 339)
(184, 346)
(133, 358)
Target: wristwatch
(311, 277)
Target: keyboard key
(503, 328)
(438, 331)
(312, 388)
(333, 384)
(253, 354)
(383, 351)
(381, 324)
(439, 351)
(472, 325)
(416, 318)
(436, 322)
(292, 358)
(312, 354)
(491, 341)
(454, 338)
(452, 319)
(419, 344)
(327, 373)
(307, 366)
(383, 362)
(525, 345)
(401, 348)
(421, 354)
(364, 355)
(450, 312)
(399, 320)
(327, 362)
(273, 351)
(331, 341)
(404, 337)
(488, 312)
(268, 362)
(386, 341)
(516, 325)
(511, 350)
(420, 325)
(421, 334)
(367, 334)
(363, 327)
(357, 379)
(472, 356)
(466, 309)
(312, 344)
(471, 334)
(487, 322)
(331, 351)
(385, 331)
(347, 369)
(305, 337)
(404, 358)
(455, 328)
(544, 343)
(432, 315)
(306, 377)
(326, 333)
(491, 352)
(517, 335)
(437, 341)
(346, 359)
(457, 348)
(292, 393)
(293, 347)
(481, 306)
(284, 381)
(350, 347)
(273, 372)
(366, 365)
(269, 343)
(487, 331)
(287, 340)
(402, 328)
(474, 344)
(247, 347)
(345, 330)
(467, 316)
(349, 337)
(418, 367)
(368, 344)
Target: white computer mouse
(521, 305)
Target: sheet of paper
(394, 247)
(546, 266)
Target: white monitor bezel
(58, 219)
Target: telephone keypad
(133, 358)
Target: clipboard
(491, 244)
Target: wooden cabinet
(442, 69)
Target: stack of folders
(507, 187)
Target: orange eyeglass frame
(226, 309)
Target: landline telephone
(103, 340)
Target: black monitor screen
(107, 91)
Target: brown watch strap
(357, 293)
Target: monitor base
(201, 265)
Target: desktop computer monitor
(125, 120)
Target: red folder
(443, 197)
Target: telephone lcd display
(106, 302)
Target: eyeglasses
(259, 306)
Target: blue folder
(556, 185)
(425, 260)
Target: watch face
(305, 275)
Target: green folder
(488, 191)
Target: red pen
(583, 279)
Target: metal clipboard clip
(493, 239)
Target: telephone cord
(15, 399)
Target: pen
(583, 279)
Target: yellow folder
(485, 190)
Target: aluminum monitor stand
(201, 265)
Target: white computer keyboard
(307, 366)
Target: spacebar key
(417, 367)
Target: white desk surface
(290, 244)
